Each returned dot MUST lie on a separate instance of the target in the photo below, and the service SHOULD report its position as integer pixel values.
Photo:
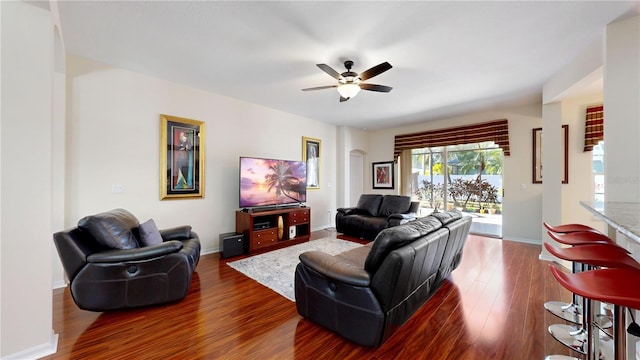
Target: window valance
(594, 128)
(496, 131)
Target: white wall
(622, 110)
(25, 210)
(350, 139)
(113, 138)
(552, 186)
(580, 163)
(521, 207)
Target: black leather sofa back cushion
(448, 217)
(112, 229)
(368, 204)
(394, 204)
(392, 238)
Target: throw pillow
(111, 229)
(149, 234)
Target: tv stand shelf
(270, 229)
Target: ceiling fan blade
(378, 88)
(320, 87)
(376, 70)
(329, 70)
(343, 99)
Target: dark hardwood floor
(490, 308)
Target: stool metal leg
(588, 323)
(619, 333)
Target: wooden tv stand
(262, 232)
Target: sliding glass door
(466, 177)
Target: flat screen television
(272, 182)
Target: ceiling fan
(350, 83)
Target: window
(598, 175)
(471, 179)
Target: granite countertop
(623, 216)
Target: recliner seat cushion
(112, 229)
(394, 204)
(369, 204)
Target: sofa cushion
(448, 216)
(392, 238)
(111, 229)
(369, 204)
(414, 207)
(149, 233)
(394, 204)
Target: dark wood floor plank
(490, 308)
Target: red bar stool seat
(603, 255)
(582, 238)
(606, 285)
(600, 255)
(572, 311)
(569, 228)
(610, 286)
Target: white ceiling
(449, 58)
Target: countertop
(622, 216)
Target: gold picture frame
(311, 157)
(181, 157)
(537, 155)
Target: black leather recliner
(374, 213)
(108, 268)
(367, 293)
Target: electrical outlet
(117, 188)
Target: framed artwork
(181, 158)
(537, 155)
(383, 175)
(311, 156)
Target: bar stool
(572, 311)
(592, 255)
(606, 285)
(569, 228)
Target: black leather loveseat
(374, 213)
(367, 293)
(113, 262)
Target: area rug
(276, 269)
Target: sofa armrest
(335, 268)
(176, 233)
(346, 211)
(143, 253)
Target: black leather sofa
(374, 213)
(367, 293)
(109, 267)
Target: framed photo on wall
(311, 156)
(537, 155)
(181, 158)
(383, 175)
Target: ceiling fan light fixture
(348, 90)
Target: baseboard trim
(59, 284)
(547, 257)
(37, 352)
(209, 251)
(522, 240)
(552, 259)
